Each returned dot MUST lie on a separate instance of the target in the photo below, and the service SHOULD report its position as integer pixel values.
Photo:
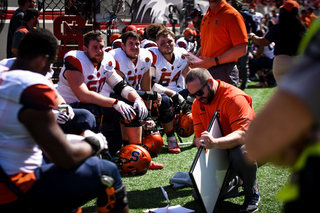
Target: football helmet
(133, 159)
(183, 124)
(153, 142)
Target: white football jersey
(94, 77)
(133, 72)
(189, 46)
(167, 74)
(20, 88)
(148, 43)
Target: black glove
(177, 98)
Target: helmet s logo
(217, 21)
(180, 130)
(135, 156)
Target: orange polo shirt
(221, 29)
(234, 109)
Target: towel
(181, 179)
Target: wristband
(217, 60)
(94, 143)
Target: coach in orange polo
(235, 113)
(223, 40)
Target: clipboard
(209, 170)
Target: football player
(188, 41)
(82, 77)
(170, 68)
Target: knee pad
(166, 115)
(136, 122)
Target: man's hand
(61, 118)
(148, 124)
(97, 141)
(205, 63)
(207, 141)
(140, 105)
(126, 110)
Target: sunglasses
(199, 92)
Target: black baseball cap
(195, 12)
(29, 14)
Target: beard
(94, 59)
(209, 98)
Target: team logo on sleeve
(183, 57)
(147, 60)
(163, 69)
(130, 72)
(90, 77)
(110, 63)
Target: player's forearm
(132, 96)
(97, 99)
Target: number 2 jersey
(94, 77)
(169, 74)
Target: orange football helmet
(153, 142)
(183, 124)
(134, 159)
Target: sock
(170, 133)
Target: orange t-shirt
(234, 109)
(221, 29)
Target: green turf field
(144, 191)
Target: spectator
(274, 16)
(251, 26)
(31, 128)
(286, 35)
(311, 15)
(235, 113)
(15, 22)
(304, 17)
(29, 21)
(223, 41)
(196, 17)
(257, 16)
(263, 60)
(187, 41)
(286, 130)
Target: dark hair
(152, 30)
(164, 32)
(91, 35)
(36, 43)
(129, 34)
(200, 73)
(29, 14)
(237, 5)
(23, 2)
